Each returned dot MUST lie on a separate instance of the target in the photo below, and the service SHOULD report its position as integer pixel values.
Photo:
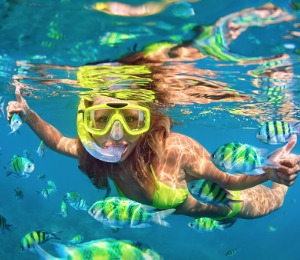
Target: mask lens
(99, 119)
(134, 118)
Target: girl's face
(124, 141)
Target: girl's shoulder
(181, 141)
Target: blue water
(42, 45)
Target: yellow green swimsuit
(164, 196)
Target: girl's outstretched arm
(51, 137)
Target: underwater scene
(226, 72)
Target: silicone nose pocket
(117, 132)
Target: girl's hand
(19, 106)
(288, 164)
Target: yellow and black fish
(36, 237)
(209, 192)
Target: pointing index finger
(18, 92)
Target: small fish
(36, 237)
(236, 157)
(76, 240)
(276, 132)
(63, 209)
(15, 123)
(272, 229)
(19, 193)
(72, 197)
(203, 225)
(41, 149)
(231, 252)
(47, 192)
(20, 166)
(119, 212)
(41, 176)
(107, 248)
(76, 201)
(3, 225)
(209, 192)
(51, 184)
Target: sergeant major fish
(77, 239)
(20, 166)
(236, 157)
(76, 201)
(63, 209)
(47, 192)
(119, 212)
(107, 248)
(15, 123)
(41, 149)
(209, 192)
(203, 225)
(36, 237)
(275, 132)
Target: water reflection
(200, 77)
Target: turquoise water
(43, 45)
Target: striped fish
(20, 166)
(3, 225)
(275, 132)
(63, 209)
(76, 201)
(203, 225)
(36, 237)
(47, 192)
(231, 252)
(107, 248)
(209, 192)
(15, 123)
(236, 157)
(76, 240)
(119, 212)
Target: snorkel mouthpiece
(117, 132)
(111, 155)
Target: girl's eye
(103, 119)
(129, 119)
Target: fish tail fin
(158, 217)
(8, 227)
(224, 225)
(297, 128)
(43, 254)
(56, 234)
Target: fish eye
(192, 186)
(259, 133)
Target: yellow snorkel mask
(110, 117)
(100, 119)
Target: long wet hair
(149, 148)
